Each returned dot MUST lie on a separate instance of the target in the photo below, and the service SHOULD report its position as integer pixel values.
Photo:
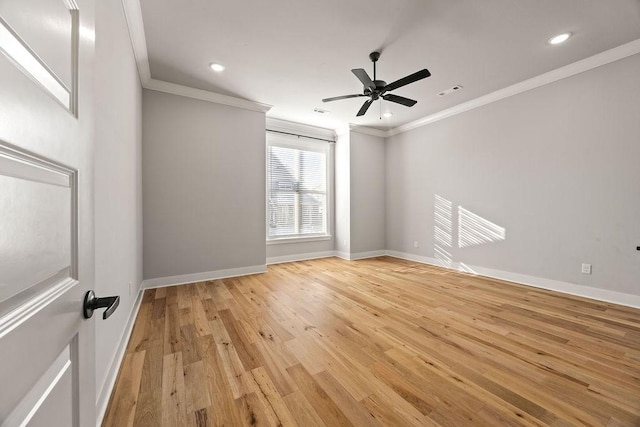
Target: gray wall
(367, 170)
(203, 186)
(557, 167)
(360, 194)
(118, 198)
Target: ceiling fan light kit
(376, 89)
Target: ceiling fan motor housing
(380, 84)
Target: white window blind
(296, 188)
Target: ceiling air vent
(450, 90)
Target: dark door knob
(91, 303)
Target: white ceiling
(292, 53)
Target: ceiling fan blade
(400, 100)
(335, 98)
(422, 74)
(364, 107)
(362, 75)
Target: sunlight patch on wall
(475, 230)
(442, 231)
(469, 230)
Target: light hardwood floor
(376, 342)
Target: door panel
(45, 26)
(46, 403)
(46, 216)
(38, 203)
(38, 241)
(54, 409)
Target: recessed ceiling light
(387, 114)
(218, 68)
(560, 38)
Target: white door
(46, 212)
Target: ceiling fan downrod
(374, 56)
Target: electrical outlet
(415, 244)
(586, 268)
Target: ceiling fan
(376, 89)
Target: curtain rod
(300, 136)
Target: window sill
(303, 239)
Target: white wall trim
(161, 282)
(135, 23)
(112, 374)
(300, 257)
(602, 58)
(300, 128)
(563, 287)
(605, 295)
(413, 257)
(325, 254)
(204, 95)
(369, 254)
(133, 16)
(369, 131)
(359, 255)
(290, 240)
(342, 131)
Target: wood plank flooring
(376, 342)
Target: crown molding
(133, 16)
(368, 131)
(300, 128)
(135, 24)
(205, 95)
(342, 131)
(597, 60)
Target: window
(297, 202)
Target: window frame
(306, 144)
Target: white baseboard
(369, 254)
(110, 380)
(359, 255)
(604, 295)
(200, 277)
(300, 257)
(413, 257)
